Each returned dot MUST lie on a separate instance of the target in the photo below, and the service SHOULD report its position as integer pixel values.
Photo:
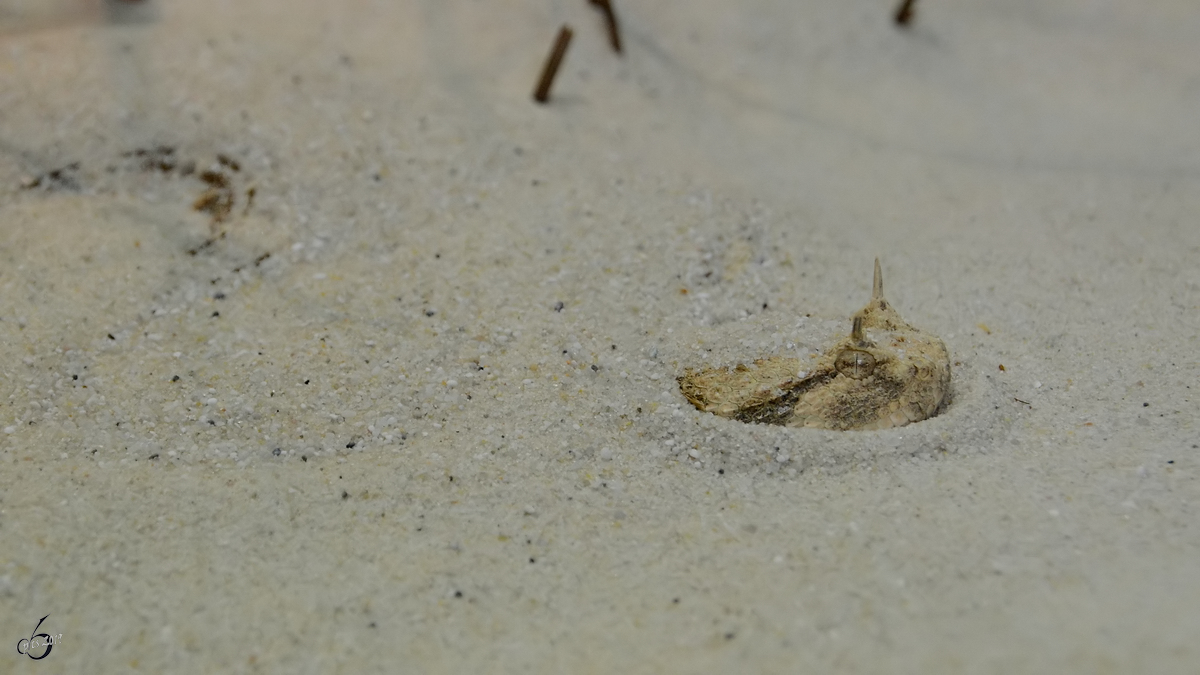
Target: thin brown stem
(610, 17)
(542, 93)
(905, 12)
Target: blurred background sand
(411, 407)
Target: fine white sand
(437, 428)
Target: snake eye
(855, 363)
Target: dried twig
(542, 93)
(905, 12)
(610, 17)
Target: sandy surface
(413, 409)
